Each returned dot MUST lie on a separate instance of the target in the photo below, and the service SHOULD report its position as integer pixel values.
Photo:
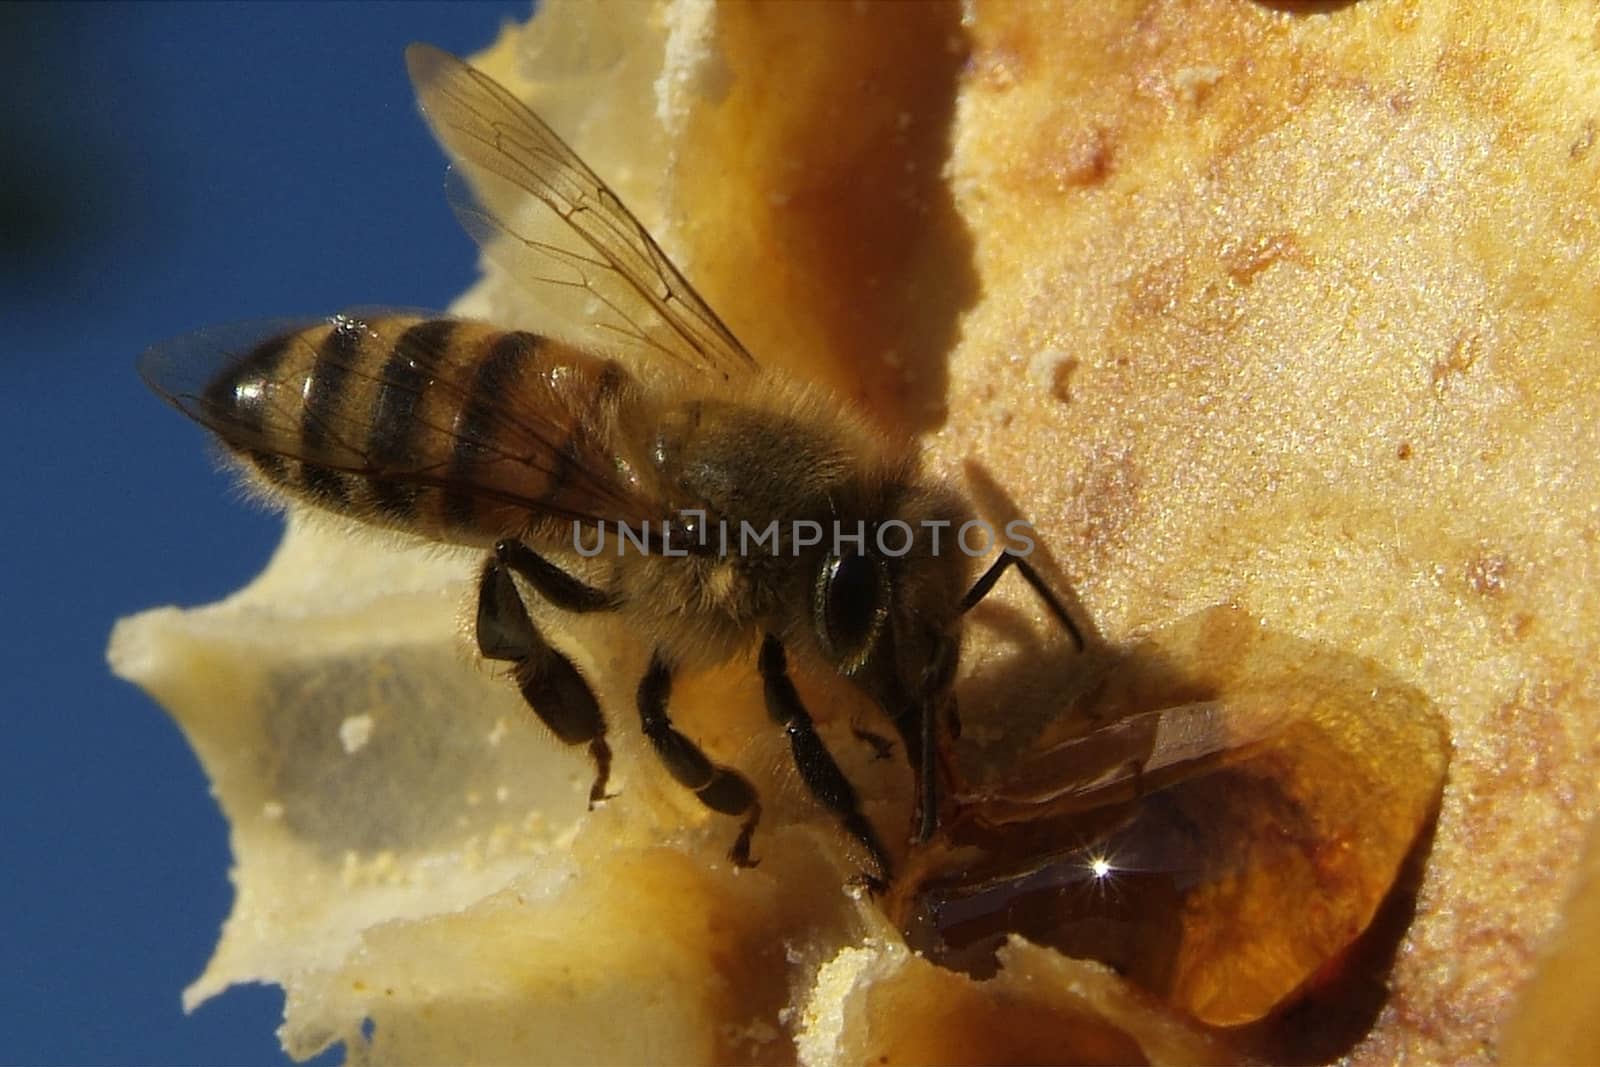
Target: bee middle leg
(550, 684)
(816, 764)
(719, 788)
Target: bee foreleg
(997, 569)
(553, 583)
(816, 764)
(550, 684)
(719, 788)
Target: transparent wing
(1143, 752)
(411, 396)
(539, 211)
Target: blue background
(163, 167)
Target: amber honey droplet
(1223, 833)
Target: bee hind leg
(816, 764)
(550, 683)
(719, 788)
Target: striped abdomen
(453, 430)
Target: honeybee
(657, 433)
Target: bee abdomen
(395, 437)
(450, 429)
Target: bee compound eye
(852, 595)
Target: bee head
(897, 583)
(849, 604)
(886, 611)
